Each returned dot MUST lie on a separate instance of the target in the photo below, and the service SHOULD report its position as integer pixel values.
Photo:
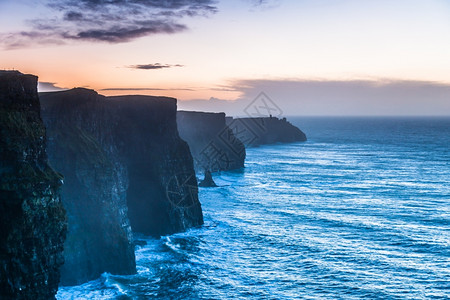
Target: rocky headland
(127, 170)
(213, 144)
(126, 164)
(266, 130)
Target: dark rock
(99, 235)
(139, 136)
(32, 218)
(140, 243)
(213, 144)
(163, 193)
(268, 130)
(208, 181)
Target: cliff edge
(126, 170)
(32, 218)
(99, 235)
(162, 195)
(268, 130)
(213, 144)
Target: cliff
(268, 130)
(138, 137)
(213, 144)
(32, 218)
(163, 194)
(99, 235)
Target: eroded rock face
(268, 130)
(162, 194)
(32, 218)
(99, 235)
(213, 144)
(138, 138)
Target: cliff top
(9, 72)
(200, 116)
(78, 91)
(18, 91)
(200, 112)
(143, 99)
(80, 95)
(261, 118)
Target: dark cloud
(113, 21)
(156, 66)
(125, 34)
(73, 16)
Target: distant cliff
(138, 137)
(267, 130)
(32, 218)
(99, 235)
(213, 144)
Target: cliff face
(163, 193)
(213, 144)
(139, 137)
(261, 131)
(32, 219)
(99, 235)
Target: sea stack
(32, 218)
(208, 181)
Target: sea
(359, 211)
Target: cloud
(154, 66)
(261, 2)
(338, 98)
(112, 21)
(265, 4)
(145, 89)
(24, 38)
(48, 87)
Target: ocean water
(359, 211)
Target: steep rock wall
(213, 144)
(99, 235)
(268, 130)
(163, 192)
(139, 136)
(32, 218)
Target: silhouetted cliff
(163, 193)
(99, 235)
(139, 137)
(212, 143)
(32, 218)
(268, 130)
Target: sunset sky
(235, 49)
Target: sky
(316, 57)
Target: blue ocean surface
(359, 211)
